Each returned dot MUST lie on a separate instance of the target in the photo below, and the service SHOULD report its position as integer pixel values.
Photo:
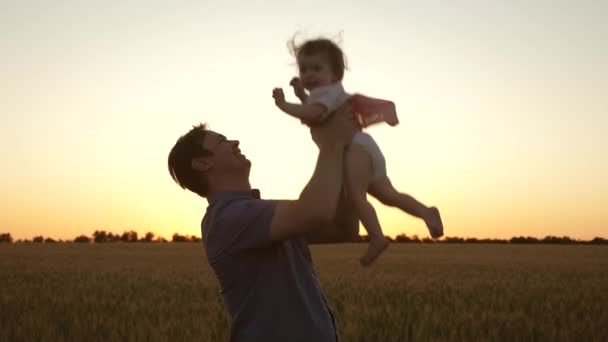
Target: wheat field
(415, 292)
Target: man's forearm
(322, 191)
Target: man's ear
(201, 164)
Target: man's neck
(232, 185)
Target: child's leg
(384, 191)
(358, 173)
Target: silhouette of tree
(492, 241)
(82, 239)
(111, 237)
(557, 240)
(130, 236)
(149, 237)
(133, 236)
(124, 237)
(179, 238)
(522, 239)
(100, 236)
(6, 237)
(453, 239)
(402, 238)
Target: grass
(416, 292)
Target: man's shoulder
(237, 223)
(232, 212)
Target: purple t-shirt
(270, 289)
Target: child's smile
(315, 71)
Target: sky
(503, 108)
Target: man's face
(315, 71)
(227, 157)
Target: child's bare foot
(433, 222)
(374, 249)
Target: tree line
(102, 236)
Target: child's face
(315, 71)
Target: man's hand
(279, 97)
(339, 128)
(298, 88)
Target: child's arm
(309, 113)
(298, 89)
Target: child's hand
(279, 97)
(298, 88)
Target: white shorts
(378, 162)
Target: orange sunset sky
(503, 109)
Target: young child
(321, 67)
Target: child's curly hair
(331, 50)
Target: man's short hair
(188, 147)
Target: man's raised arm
(318, 201)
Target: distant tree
(453, 239)
(179, 238)
(407, 239)
(100, 236)
(49, 240)
(521, 239)
(599, 241)
(149, 237)
(124, 237)
(427, 240)
(402, 238)
(130, 236)
(82, 239)
(194, 238)
(557, 240)
(6, 237)
(492, 241)
(161, 239)
(38, 239)
(471, 240)
(113, 237)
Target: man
(258, 248)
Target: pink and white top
(368, 110)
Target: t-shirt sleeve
(238, 225)
(327, 96)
